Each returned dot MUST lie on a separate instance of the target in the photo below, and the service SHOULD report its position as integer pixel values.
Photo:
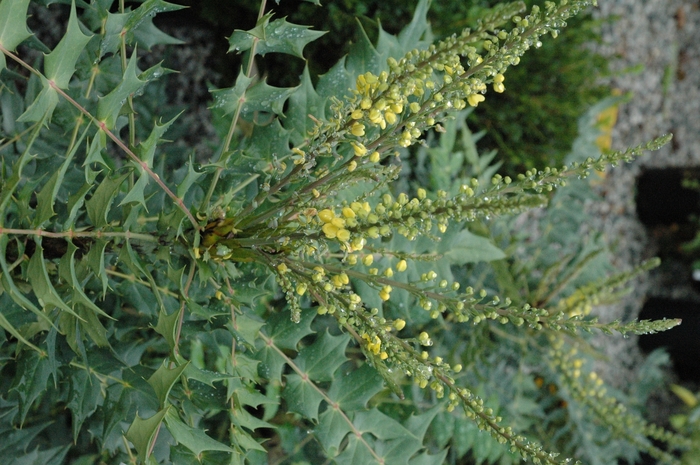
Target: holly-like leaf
(98, 205)
(190, 178)
(352, 391)
(43, 105)
(355, 452)
(33, 371)
(302, 396)
(262, 97)
(247, 327)
(13, 25)
(286, 334)
(142, 433)
(41, 284)
(277, 36)
(305, 101)
(192, 438)
(109, 106)
(163, 380)
(59, 65)
(167, 326)
(86, 393)
(231, 98)
(320, 360)
(331, 430)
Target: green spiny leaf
(262, 97)
(43, 106)
(96, 262)
(302, 396)
(247, 327)
(229, 99)
(59, 65)
(354, 390)
(285, 334)
(355, 452)
(41, 284)
(110, 105)
(166, 327)
(7, 326)
(164, 379)
(13, 25)
(136, 194)
(304, 102)
(84, 398)
(192, 438)
(380, 425)
(142, 433)
(68, 272)
(277, 36)
(147, 10)
(33, 371)
(98, 205)
(47, 196)
(331, 430)
(190, 178)
(320, 360)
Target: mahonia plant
(216, 308)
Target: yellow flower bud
(359, 149)
(374, 158)
(399, 324)
(401, 266)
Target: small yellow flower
(474, 99)
(399, 324)
(343, 235)
(282, 268)
(301, 288)
(359, 149)
(374, 158)
(330, 230)
(357, 129)
(401, 266)
(326, 215)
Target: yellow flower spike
(474, 99)
(356, 114)
(399, 324)
(343, 235)
(326, 215)
(357, 129)
(359, 149)
(401, 266)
